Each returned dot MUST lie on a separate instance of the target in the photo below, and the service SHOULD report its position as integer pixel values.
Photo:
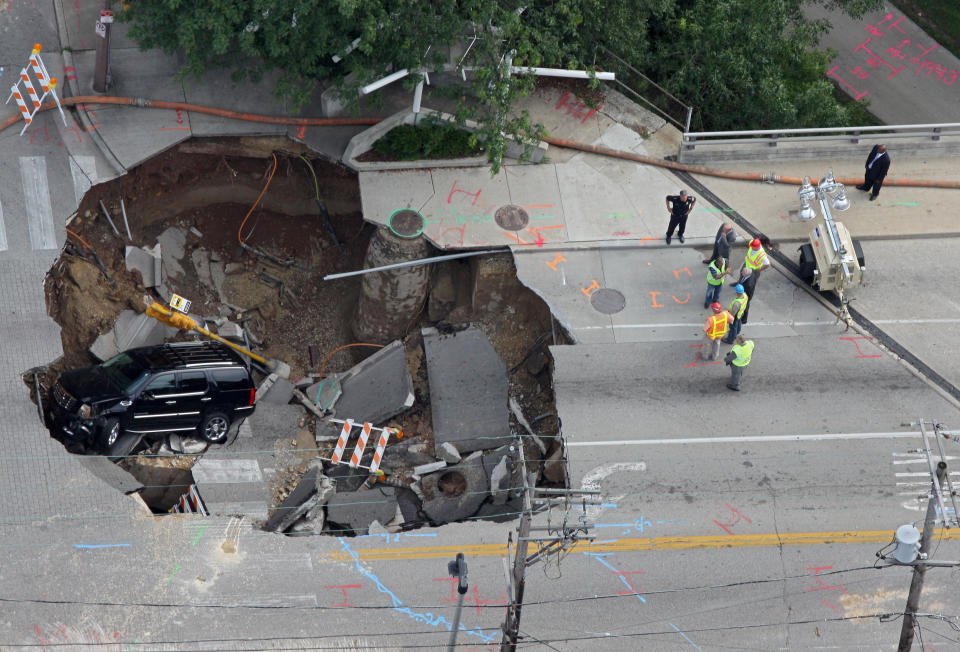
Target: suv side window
(163, 384)
(193, 381)
(231, 379)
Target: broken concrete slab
(499, 466)
(271, 420)
(210, 272)
(172, 249)
(425, 469)
(502, 513)
(329, 390)
(410, 506)
(131, 329)
(356, 510)
(280, 392)
(374, 390)
(448, 453)
(146, 261)
(186, 445)
(456, 492)
(232, 486)
(468, 389)
(314, 489)
(405, 454)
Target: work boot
(680, 238)
(668, 239)
(736, 389)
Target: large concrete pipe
(391, 301)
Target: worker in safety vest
(715, 273)
(737, 307)
(715, 327)
(756, 260)
(738, 358)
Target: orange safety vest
(718, 325)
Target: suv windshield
(123, 371)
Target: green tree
(743, 63)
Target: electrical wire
(259, 197)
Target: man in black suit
(878, 162)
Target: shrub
(430, 139)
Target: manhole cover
(607, 301)
(406, 223)
(512, 218)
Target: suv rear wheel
(215, 427)
(111, 432)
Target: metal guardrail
(774, 137)
(661, 101)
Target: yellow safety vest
(718, 325)
(713, 269)
(755, 258)
(743, 353)
(738, 312)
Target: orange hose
(340, 348)
(250, 212)
(80, 239)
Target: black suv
(148, 393)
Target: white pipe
(389, 79)
(417, 96)
(559, 72)
(818, 130)
(350, 48)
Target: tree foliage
(743, 63)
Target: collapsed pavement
(455, 461)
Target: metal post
(916, 584)
(511, 627)
(457, 568)
(689, 116)
(102, 66)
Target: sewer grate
(406, 223)
(608, 301)
(511, 217)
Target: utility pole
(920, 569)
(101, 76)
(561, 538)
(457, 568)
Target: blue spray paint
(427, 618)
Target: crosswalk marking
(36, 197)
(84, 171)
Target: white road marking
(825, 322)
(920, 474)
(830, 436)
(3, 231)
(84, 171)
(592, 478)
(36, 202)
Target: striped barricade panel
(361, 444)
(342, 441)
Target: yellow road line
(633, 544)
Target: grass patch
(860, 115)
(938, 18)
(428, 140)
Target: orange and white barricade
(31, 104)
(361, 445)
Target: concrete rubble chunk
(280, 392)
(500, 481)
(131, 329)
(313, 489)
(424, 469)
(187, 445)
(405, 454)
(410, 506)
(357, 510)
(329, 390)
(456, 492)
(448, 453)
(172, 249)
(146, 261)
(373, 390)
(232, 486)
(554, 469)
(468, 389)
(230, 330)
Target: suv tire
(215, 427)
(123, 446)
(111, 434)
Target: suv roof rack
(197, 354)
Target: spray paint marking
(199, 534)
(427, 618)
(476, 595)
(93, 546)
(906, 203)
(172, 574)
(623, 575)
(687, 638)
(697, 361)
(344, 587)
(679, 301)
(676, 272)
(861, 354)
(736, 518)
(653, 300)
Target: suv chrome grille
(63, 398)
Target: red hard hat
(755, 244)
(716, 306)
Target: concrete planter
(363, 143)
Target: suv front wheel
(215, 427)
